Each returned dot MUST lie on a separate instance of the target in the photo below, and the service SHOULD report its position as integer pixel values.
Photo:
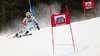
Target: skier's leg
(29, 29)
(22, 31)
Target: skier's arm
(34, 20)
(24, 21)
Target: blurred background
(12, 12)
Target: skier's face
(28, 16)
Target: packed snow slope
(86, 36)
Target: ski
(26, 35)
(21, 35)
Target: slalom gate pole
(84, 11)
(52, 33)
(50, 11)
(72, 37)
(53, 40)
(84, 15)
(67, 8)
(13, 31)
(95, 11)
(71, 29)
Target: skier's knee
(27, 32)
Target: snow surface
(86, 36)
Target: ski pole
(34, 24)
(14, 31)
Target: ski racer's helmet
(28, 13)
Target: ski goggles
(28, 14)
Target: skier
(29, 23)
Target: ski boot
(27, 33)
(17, 36)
